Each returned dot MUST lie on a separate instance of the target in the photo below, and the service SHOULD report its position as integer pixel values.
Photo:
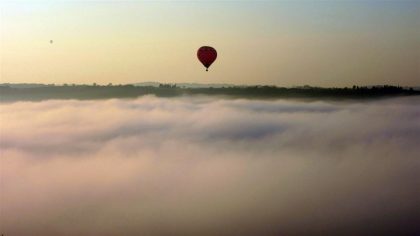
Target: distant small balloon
(51, 41)
(207, 55)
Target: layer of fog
(205, 166)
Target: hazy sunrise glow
(286, 43)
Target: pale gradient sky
(286, 43)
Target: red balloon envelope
(207, 55)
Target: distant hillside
(147, 84)
(185, 85)
(85, 92)
(26, 85)
(178, 85)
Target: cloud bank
(206, 166)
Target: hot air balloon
(207, 55)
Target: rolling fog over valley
(209, 166)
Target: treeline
(34, 93)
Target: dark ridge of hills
(39, 92)
(142, 84)
(185, 85)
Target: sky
(285, 43)
(169, 166)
